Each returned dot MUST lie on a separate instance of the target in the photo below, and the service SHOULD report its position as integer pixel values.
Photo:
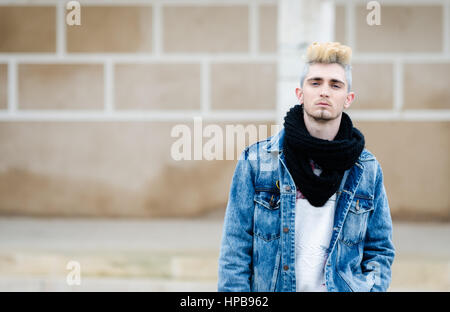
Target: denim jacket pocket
(355, 224)
(267, 219)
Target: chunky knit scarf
(333, 157)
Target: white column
(300, 22)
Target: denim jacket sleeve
(379, 250)
(235, 260)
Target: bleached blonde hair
(328, 53)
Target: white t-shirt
(313, 230)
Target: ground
(171, 254)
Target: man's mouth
(323, 104)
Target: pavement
(38, 254)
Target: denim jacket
(258, 244)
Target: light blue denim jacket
(258, 244)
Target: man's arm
(235, 258)
(379, 250)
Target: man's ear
(349, 100)
(299, 94)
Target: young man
(307, 208)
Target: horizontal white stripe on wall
(139, 2)
(187, 116)
(130, 115)
(45, 58)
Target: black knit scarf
(333, 157)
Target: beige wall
(86, 111)
(105, 169)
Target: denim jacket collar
(275, 144)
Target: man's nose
(324, 92)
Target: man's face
(324, 94)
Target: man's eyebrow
(314, 78)
(321, 79)
(337, 81)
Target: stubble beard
(321, 116)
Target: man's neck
(322, 129)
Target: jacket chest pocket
(355, 224)
(267, 215)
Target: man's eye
(315, 83)
(336, 86)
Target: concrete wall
(86, 112)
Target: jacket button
(287, 188)
(286, 267)
(285, 230)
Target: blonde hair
(328, 53)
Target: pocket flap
(268, 200)
(361, 205)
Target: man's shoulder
(258, 148)
(273, 143)
(367, 155)
(369, 162)
(260, 145)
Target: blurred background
(87, 111)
